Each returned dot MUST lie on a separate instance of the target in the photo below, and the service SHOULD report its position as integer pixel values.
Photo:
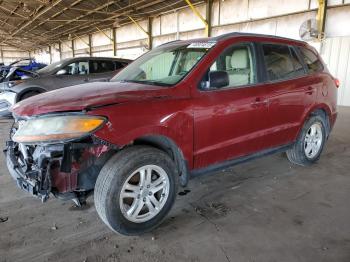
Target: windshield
(165, 65)
(51, 67)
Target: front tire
(27, 95)
(136, 189)
(308, 148)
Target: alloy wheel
(144, 193)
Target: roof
(26, 24)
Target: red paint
(207, 126)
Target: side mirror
(218, 79)
(61, 72)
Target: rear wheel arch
(167, 145)
(323, 112)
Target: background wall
(10, 54)
(276, 17)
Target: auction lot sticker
(202, 45)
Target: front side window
(77, 68)
(237, 64)
(311, 60)
(278, 61)
(166, 65)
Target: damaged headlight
(57, 128)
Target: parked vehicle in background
(28, 64)
(183, 109)
(68, 72)
(15, 76)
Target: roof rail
(228, 35)
(169, 42)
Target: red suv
(183, 109)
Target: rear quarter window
(311, 60)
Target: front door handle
(260, 102)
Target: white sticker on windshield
(201, 45)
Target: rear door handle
(309, 90)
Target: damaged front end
(67, 168)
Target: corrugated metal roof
(27, 23)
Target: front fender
(128, 123)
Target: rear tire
(309, 145)
(126, 196)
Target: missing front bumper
(65, 170)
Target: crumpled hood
(81, 97)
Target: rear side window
(311, 60)
(100, 66)
(280, 62)
(119, 65)
(298, 66)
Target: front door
(230, 121)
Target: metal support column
(90, 45)
(208, 11)
(196, 12)
(149, 34)
(2, 55)
(60, 49)
(50, 54)
(114, 33)
(73, 51)
(321, 17)
(150, 38)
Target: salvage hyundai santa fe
(183, 109)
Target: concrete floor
(264, 210)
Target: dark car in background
(29, 64)
(21, 84)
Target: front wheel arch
(23, 93)
(170, 148)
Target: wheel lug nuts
(148, 186)
(144, 199)
(150, 193)
(138, 196)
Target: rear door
(290, 92)
(230, 121)
(101, 70)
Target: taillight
(337, 82)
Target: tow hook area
(68, 171)
(31, 177)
